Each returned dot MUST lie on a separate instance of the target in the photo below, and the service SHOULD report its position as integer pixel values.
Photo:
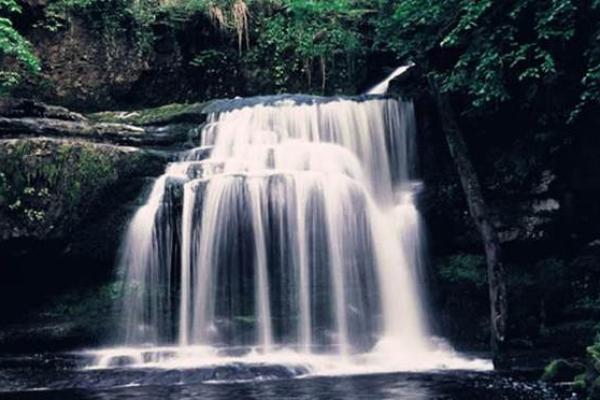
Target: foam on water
(381, 359)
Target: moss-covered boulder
(48, 186)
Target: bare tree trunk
(479, 213)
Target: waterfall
(382, 87)
(292, 227)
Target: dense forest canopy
(489, 51)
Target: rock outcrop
(68, 185)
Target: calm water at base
(61, 378)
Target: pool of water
(64, 377)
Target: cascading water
(382, 87)
(290, 234)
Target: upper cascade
(382, 87)
(279, 100)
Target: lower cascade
(289, 236)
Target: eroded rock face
(20, 108)
(93, 59)
(164, 127)
(81, 70)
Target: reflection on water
(62, 378)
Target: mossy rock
(562, 371)
(159, 116)
(47, 186)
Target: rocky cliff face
(68, 185)
(110, 54)
(101, 57)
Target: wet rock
(20, 108)
(168, 126)
(47, 186)
(115, 133)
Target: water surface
(61, 377)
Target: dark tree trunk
(481, 217)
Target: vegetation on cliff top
(15, 50)
(285, 45)
(494, 51)
(489, 52)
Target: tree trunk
(479, 213)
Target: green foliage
(591, 379)
(16, 54)
(86, 302)
(281, 41)
(136, 18)
(580, 382)
(310, 39)
(220, 11)
(219, 67)
(464, 269)
(594, 351)
(590, 95)
(109, 19)
(490, 51)
(35, 190)
(551, 370)
(282, 45)
(562, 371)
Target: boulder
(49, 185)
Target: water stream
(382, 87)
